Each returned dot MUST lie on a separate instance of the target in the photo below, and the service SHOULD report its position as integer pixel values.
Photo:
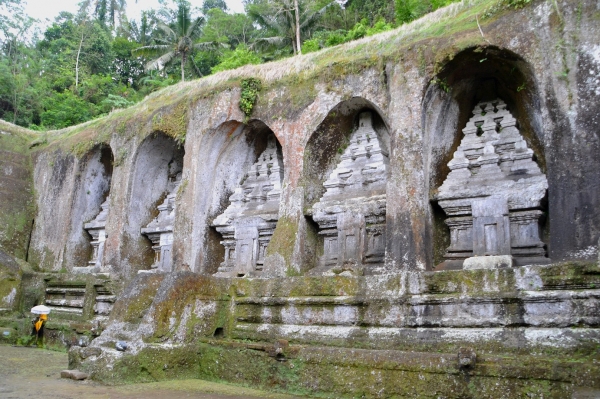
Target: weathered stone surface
(16, 190)
(528, 190)
(488, 262)
(74, 375)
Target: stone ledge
(488, 262)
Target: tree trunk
(77, 61)
(182, 64)
(297, 11)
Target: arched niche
(156, 172)
(346, 166)
(326, 145)
(84, 248)
(237, 207)
(473, 78)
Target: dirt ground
(27, 372)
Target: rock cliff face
(302, 241)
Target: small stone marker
(466, 357)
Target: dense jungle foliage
(84, 65)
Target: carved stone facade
(493, 193)
(97, 229)
(351, 213)
(160, 229)
(247, 225)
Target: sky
(48, 9)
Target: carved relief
(160, 229)
(493, 192)
(351, 213)
(247, 225)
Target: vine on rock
(250, 89)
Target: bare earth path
(35, 373)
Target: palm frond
(265, 20)
(167, 29)
(153, 49)
(160, 62)
(194, 29)
(195, 67)
(312, 19)
(209, 45)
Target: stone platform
(497, 332)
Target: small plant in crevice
(121, 156)
(250, 89)
(442, 83)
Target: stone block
(466, 357)
(488, 262)
(74, 375)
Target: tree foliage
(87, 64)
(279, 23)
(237, 58)
(178, 41)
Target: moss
(204, 300)
(121, 156)
(571, 275)
(283, 242)
(249, 93)
(17, 228)
(347, 373)
(295, 93)
(17, 208)
(134, 304)
(182, 188)
(172, 122)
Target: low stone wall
(468, 333)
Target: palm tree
(101, 8)
(178, 42)
(288, 19)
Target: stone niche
(493, 195)
(160, 229)
(97, 229)
(351, 213)
(157, 169)
(93, 200)
(249, 221)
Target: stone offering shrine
(351, 213)
(249, 221)
(493, 194)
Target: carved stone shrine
(160, 229)
(248, 223)
(351, 213)
(493, 194)
(97, 229)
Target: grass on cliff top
(347, 58)
(15, 138)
